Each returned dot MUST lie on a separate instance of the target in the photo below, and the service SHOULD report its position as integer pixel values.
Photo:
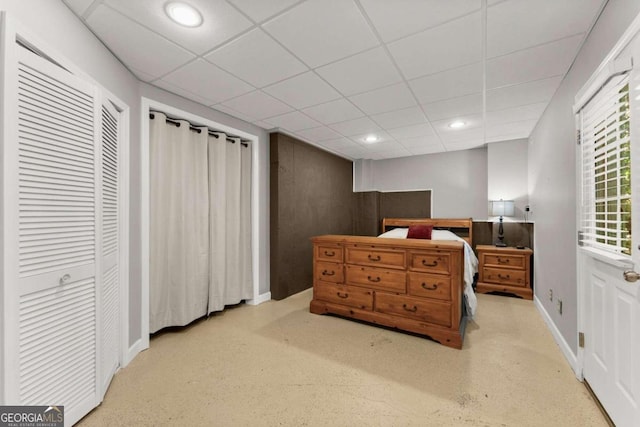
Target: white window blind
(606, 169)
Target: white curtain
(230, 210)
(200, 237)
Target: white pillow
(396, 233)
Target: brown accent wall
(311, 193)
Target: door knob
(631, 276)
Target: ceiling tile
(293, 121)
(421, 141)
(379, 147)
(234, 113)
(383, 100)
(395, 19)
(220, 22)
(145, 77)
(319, 134)
(182, 92)
(424, 129)
(79, 7)
(476, 134)
(258, 105)
(245, 57)
(425, 53)
(521, 128)
(339, 144)
(449, 84)
(260, 10)
(390, 154)
(317, 30)
(400, 118)
(356, 126)
(333, 111)
(548, 60)
(471, 122)
(454, 107)
(383, 139)
(135, 45)
(207, 81)
(426, 149)
(465, 145)
(362, 72)
(525, 112)
(523, 94)
(517, 24)
(303, 90)
(353, 153)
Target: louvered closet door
(56, 232)
(110, 300)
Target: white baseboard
(562, 343)
(133, 351)
(261, 298)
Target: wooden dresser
(409, 284)
(504, 270)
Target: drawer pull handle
(411, 309)
(373, 279)
(328, 273)
(327, 253)
(429, 264)
(503, 261)
(64, 279)
(373, 258)
(500, 276)
(342, 295)
(429, 288)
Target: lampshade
(501, 208)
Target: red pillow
(420, 232)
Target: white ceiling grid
(332, 72)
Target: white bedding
(470, 261)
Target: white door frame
(147, 106)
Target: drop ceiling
(332, 72)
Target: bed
(423, 286)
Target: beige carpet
(278, 365)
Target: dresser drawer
(429, 285)
(432, 262)
(378, 278)
(329, 272)
(501, 260)
(328, 252)
(438, 312)
(345, 295)
(376, 257)
(504, 276)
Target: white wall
(458, 180)
(507, 174)
(552, 173)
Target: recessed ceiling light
(183, 14)
(457, 124)
(370, 139)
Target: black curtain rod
(177, 123)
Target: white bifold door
(60, 292)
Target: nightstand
(504, 270)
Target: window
(606, 169)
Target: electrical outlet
(559, 303)
(550, 294)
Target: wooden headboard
(459, 226)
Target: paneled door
(609, 252)
(52, 248)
